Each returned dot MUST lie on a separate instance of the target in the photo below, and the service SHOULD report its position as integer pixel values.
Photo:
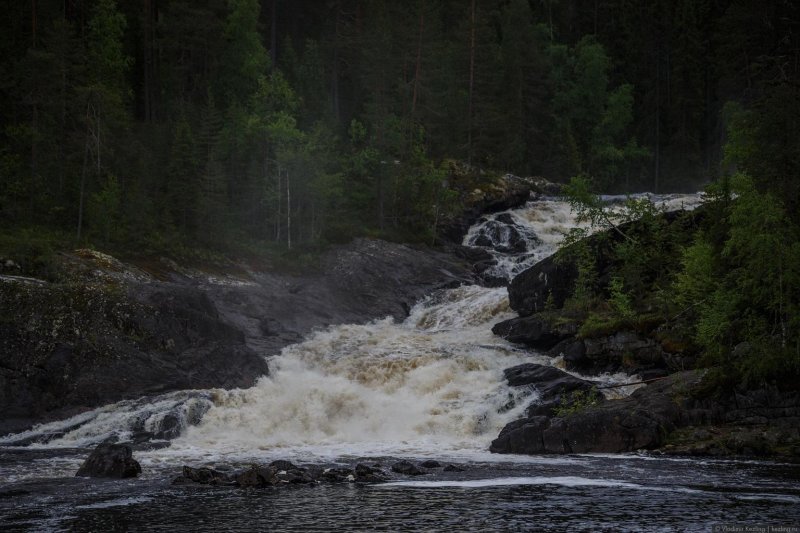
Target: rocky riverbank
(681, 408)
(111, 330)
(674, 415)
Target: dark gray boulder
(282, 464)
(204, 476)
(112, 461)
(407, 468)
(257, 476)
(547, 283)
(368, 474)
(534, 331)
(548, 380)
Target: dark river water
(574, 493)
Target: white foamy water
(563, 481)
(519, 238)
(431, 385)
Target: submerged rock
(110, 460)
(407, 468)
(257, 476)
(368, 474)
(204, 476)
(279, 473)
(282, 464)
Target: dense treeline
(219, 121)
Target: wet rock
(472, 254)
(452, 468)
(110, 460)
(282, 464)
(367, 474)
(297, 476)
(534, 331)
(257, 476)
(430, 463)
(501, 236)
(407, 468)
(508, 192)
(548, 381)
(547, 283)
(337, 475)
(640, 421)
(203, 475)
(572, 350)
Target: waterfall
(431, 384)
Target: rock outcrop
(535, 331)
(110, 461)
(113, 331)
(674, 414)
(640, 344)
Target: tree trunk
(288, 214)
(418, 66)
(471, 84)
(83, 174)
(658, 125)
(146, 66)
(33, 23)
(273, 44)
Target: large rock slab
(111, 461)
(641, 421)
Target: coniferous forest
(306, 121)
(239, 124)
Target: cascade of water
(430, 384)
(519, 238)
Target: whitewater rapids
(431, 385)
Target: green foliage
(104, 209)
(34, 250)
(577, 402)
(619, 299)
(211, 143)
(744, 292)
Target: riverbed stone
(407, 468)
(111, 461)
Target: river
(430, 386)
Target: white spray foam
(433, 382)
(562, 481)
